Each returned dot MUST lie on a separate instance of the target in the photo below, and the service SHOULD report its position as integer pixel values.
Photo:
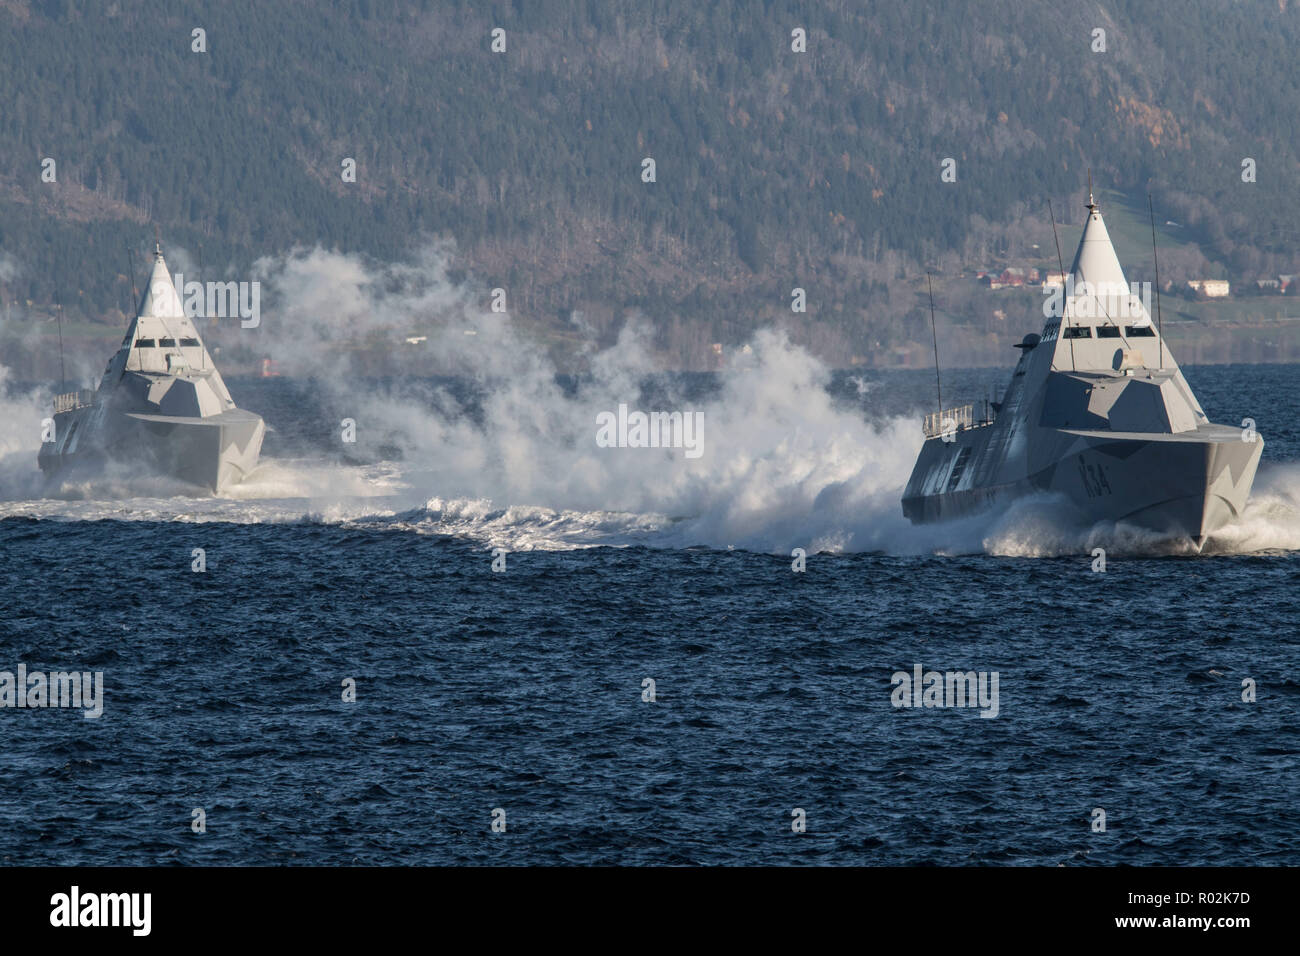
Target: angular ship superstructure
(1098, 411)
(161, 404)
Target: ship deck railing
(71, 401)
(952, 420)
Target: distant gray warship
(161, 404)
(1098, 411)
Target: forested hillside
(773, 168)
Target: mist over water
(503, 449)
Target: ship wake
(784, 463)
(823, 480)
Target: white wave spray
(784, 464)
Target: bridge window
(144, 343)
(189, 343)
(1140, 331)
(1108, 331)
(1079, 332)
(167, 343)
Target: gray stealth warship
(1098, 411)
(161, 404)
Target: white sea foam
(783, 465)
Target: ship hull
(214, 453)
(1181, 486)
(1098, 414)
(161, 406)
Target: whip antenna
(934, 332)
(1065, 299)
(1159, 325)
(130, 262)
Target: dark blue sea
(477, 691)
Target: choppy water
(522, 689)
